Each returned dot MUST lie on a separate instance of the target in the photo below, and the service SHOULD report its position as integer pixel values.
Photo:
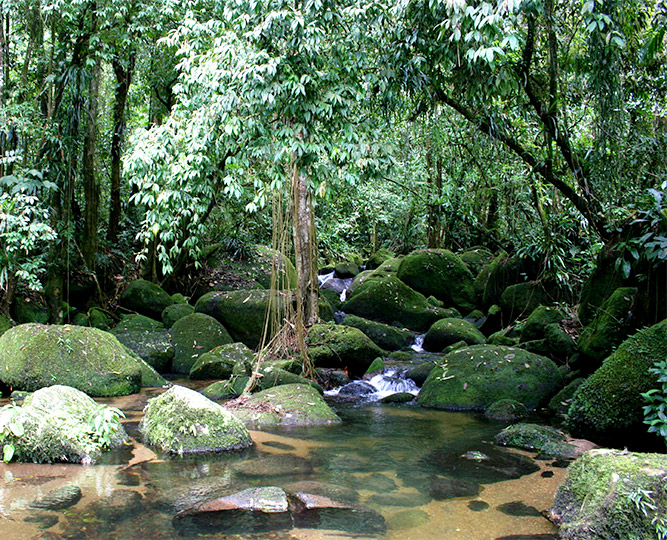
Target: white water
(385, 384)
(419, 341)
(323, 278)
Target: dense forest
(327, 189)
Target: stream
(430, 474)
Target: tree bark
(91, 186)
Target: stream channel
(424, 474)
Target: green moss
(223, 361)
(377, 258)
(135, 322)
(474, 377)
(30, 310)
(537, 321)
(390, 300)
(607, 408)
(325, 310)
(193, 336)
(446, 332)
(290, 404)
(81, 319)
(182, 421)
(506, 410)
(272, 376)
(560, 403)
(612, 495)
(173, 313)
(529, 436)
(346, 270)
(376, 366)
(152, 346)
(384, 336)
(33, 356)
(439, 273)
(521, 299)
(610, 326)
(263, 263)
(5, 324)
(99, 319)
(178, 298)
(387, 269)
(604, 280)
(332, 297)
(146, 298)
(228, 389)
(331, 345)
(501, 273)
(477, 258)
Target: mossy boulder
(446, 332)
(271, 376)
(560, 403)
(134, 321)
(173, 313)
(193, 336)
(346, 270)
(604, 280)
(376, 366)
(331, 345)
(146, 298)
(607, 408)
(377, 258)
(58, 425)
(325, 310)
(610, 326)
(227, 389)
(99, 319)
(81, 319)
(223, 361)
(522, 299)
(331, 297)
(389, 300)
(383, 335)
(243, 312)
(537, 321)
(33, 356)
(5, 324)
(476, 258)
(152, 346)
(506, 410)
(472, 378)
(500, 274)
(529, 436)
(182, 421)
(289, 404)
(266, 258)
(30, 309)
(439, 273)
(612, 495)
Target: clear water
(429, 474)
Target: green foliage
(655, 412)
(104, 424)
(9, 428)
(643, 501)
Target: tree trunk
(4, 57)
(91, 186)
(123, 81)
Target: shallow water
(403, 462)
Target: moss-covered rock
(325, 310)
(133, 322)
(59, 425)
(506, 410)
(612, 495)
(81, 319)
(331, 345)
(29, 309)
(228, 389)
(33, 356)
(223, 361)
(604, 280)
(500, 274)
(476, 258)
(193, 336)
(332, 298)
(384, 336)
(5, 324)
(173, 313)
(474, 377)
(389, 300)
(289, 404)
(560, 403)
(346, 270)
(521, 299)
(612, 324)
(537, 321)
(243, 312)
(607, 408)
(152, 346)
(377, 258)
(99, 319)
(376, 366)
(529, 436)
(446, 332)
(146, 298)
(182, 421)
(271, 376)
(421, 371)
(439, 273)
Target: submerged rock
(59, 499)
(182, 421)
(146, 298)
(320, 512)
(58, 425)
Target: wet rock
(357, 388)
(59, 499)
(223, 361)
(271, 465)
(506, 410)
(383, 335)
(519, 509)
(407, 519)
(193, 336)
(119, 505)
(399, 397)
(272, 376)
(403, 498)
(441, 489)
(146, 298)
(179, 498)
(43, 521)
(478, 506)
(332, 491)
(316, 511)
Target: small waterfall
(340, 285)
(323, 278)
(380, 386)
(419, 341)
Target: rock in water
(182, 421)
(193, 336)
(59, 499)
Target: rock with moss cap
(612, 324)
(271, 376)
(223, 361)
(474, 377)
(227, 389)
(243, 312)
(383, 335)
(611, 495)
(290, 404)
(607, 408)
(537, 321)
(389, 300)
(603, 281)
(175, 312)
(99, 319)
(146, 298)
(560, 403)
(500, 274)
(152, 346)
(182, 421)
(446, 332)
(387, 269)
(439, 273)
(33, 356)
(522, 299)
(377, 258)
(331, 345)
(58, 424)
(506, 410)
(193, 336)
(548, 442)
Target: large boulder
(612, 495)
(604, 280)
(537, 322)
(389, 300)
(33, 356)
(522, 299)
(610, 326)
(146, 298)
(223, 361)
(383, 335)
(446, 332)
(607, 408)
(331, 345)
(504, 271)
(243, 312)
(289, 404)
(439, 273)
(58, 423)
(182, 421)
(477, 258)
(152, 346)
(472, 378)
(387, 269)
(173, 313)
(377, 258)
(193, 336)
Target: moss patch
(383, 335)
(446, 332)
(223, 361)
(152, 346)
(173, 313)
(193, 336)
(146, 298)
